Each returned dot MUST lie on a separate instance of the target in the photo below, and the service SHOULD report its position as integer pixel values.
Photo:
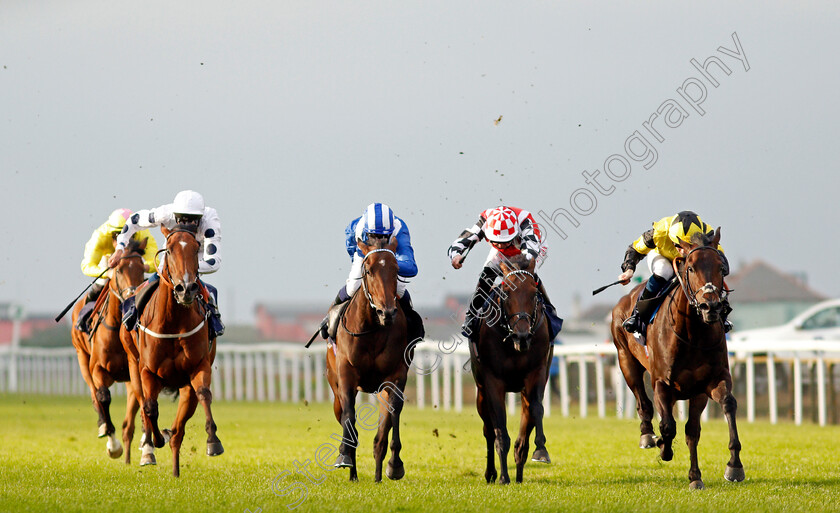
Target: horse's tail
(170, 391)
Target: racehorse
(371, 354)
(172, 349)
(102, 358)
(688, 356)
(512, 353)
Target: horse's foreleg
(200, 382)
(131, 408)
(350, 435)
(537, 412)
(84, 367)
(481, 405)
(151, 390)
(722, 394)
(396, 469)
(380, 441)
(520, 447)
(692, 437)
(496, 404)
(667, 426)
(187, 402)
(634, 376)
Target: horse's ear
(142, 246)
(362, 246)
(164, 230)
(716, 238)
(392, 244)
(683, 247)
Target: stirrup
(632, 324)
(727, 326)
(130, 318)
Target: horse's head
(379, 277)
(181, 263)
(703, 271)
(519, 301)
(129, 271)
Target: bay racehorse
(371, 355)
(687, 355)
(512, 353)
(172, 349)
(102, 358)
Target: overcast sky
(290, 117)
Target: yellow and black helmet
(685, 225)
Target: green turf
(51, 460)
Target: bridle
(167, 278)
(508, 322)
(369, 297)
(120, 293)
(708, 288)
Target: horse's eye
(690, 269)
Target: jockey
(660, 245)
(510, 231)
(187, 209)
(99, 248)
(377, 222)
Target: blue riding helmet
(378, 219)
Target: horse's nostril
(179, 288)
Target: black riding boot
(724, 315)
(644, 309)
(83, 322)
(413, 320)
(482, 292)
(330, 322)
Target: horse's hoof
(490, 477)
(214, 448)
(647, 442)
(734, 474)
(541, 456)
(666, 455)
(696, 485)
(503, 480)
(343, 461)
(167, 435)
(103, 431)
(113, 452)
(147, 459)
(395, 473)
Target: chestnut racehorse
(368, 355)
(172, 349)
(102, 358)
(512, 354)
(688, 357)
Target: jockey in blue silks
(377, 222)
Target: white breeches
(659, 265)
(354, 280)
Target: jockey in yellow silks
(101, 246)
(659, 244)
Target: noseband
(533, 325)
(708, 288)
(120, 293)
(168, 276)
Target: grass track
(51, 460)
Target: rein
(367, 294)
(532, 320)
(691, 295)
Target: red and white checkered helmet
(501, 225)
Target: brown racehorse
(368, 355)
(102, 358)
(172, 349)
(512, 354)
(688, 355)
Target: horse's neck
(166, 309)
(359, 315)
(112, 315)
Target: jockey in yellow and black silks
(99, 249)
(659, 244)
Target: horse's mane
(133, 246)
(701, 239)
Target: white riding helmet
(188, 202)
